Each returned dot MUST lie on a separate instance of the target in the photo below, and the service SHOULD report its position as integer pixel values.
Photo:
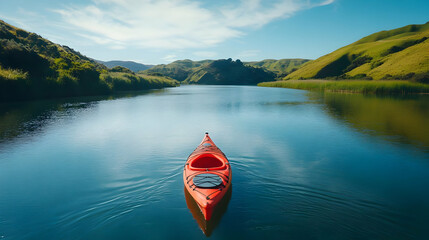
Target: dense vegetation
(133, 66)
(353, 86)
(130, 81)
(401, 53)
(32, 67)
(228, 72)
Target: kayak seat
(207, 162)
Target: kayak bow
(207, 176)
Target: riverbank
(16, 87)
(353, 86)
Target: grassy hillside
(280, 67)
(228, 72)
(133, 66)
(32, 67)
(401, 53)
(179, 70)
(130, 81)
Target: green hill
(228, 72)
(179, 70)
(401, 53)
(32, 67)
(133, 66)
(280, 67)
(183, 69)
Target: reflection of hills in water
(26, 118)
(29, 117)
(399, 118)
(208, 226)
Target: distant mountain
(401, 53)
(32, 67)
(133, 66)
(182, 69)
(280, 67)
(228, 72)
(179, 70)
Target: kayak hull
(207, 160)
(208, 226)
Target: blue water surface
(111, 167)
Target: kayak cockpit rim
(207, 162)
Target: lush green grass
(353, 86)
(401, 53)
(124, 81)
(13, 74)
(280, 67)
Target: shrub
(120, 69)
(358, 61)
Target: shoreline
(382, 87)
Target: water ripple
(121, 197)
(314, 203)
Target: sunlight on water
(304, 165)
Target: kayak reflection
(208, 226)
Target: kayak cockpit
(206, 162)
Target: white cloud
(248, 53)
(252, 13)
(174, 24)
(170, 58)
(205, 54)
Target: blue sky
(161, 31)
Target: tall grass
(367, 87)
(12, 74)
(120, 81)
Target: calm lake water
(305, 165)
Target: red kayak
(207, 176)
